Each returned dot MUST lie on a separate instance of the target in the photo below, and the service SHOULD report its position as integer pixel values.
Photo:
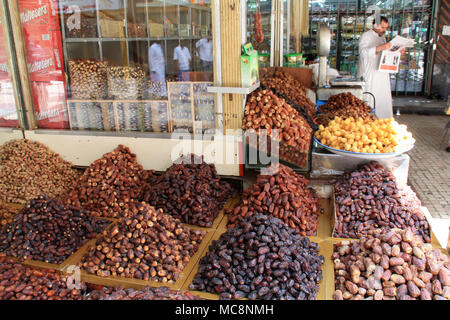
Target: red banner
(44, 57)
(42, 37)
(39, 14)
(49, 107)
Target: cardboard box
(434, 241)
(249, 66)
(137, 283)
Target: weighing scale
(336, 85)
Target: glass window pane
(259, 17)
(109, 62)
(408, 18)
(8, 110)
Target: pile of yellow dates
(365, 135)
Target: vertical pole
(273, 23)
(243, 22)
(68, 114)
(432, 47)
(169, 108)
(147, 23)
(191, 92)
(339, 41)
(217, 65)
(125, 23)
(99, 31)
(288, 25)
(63, 33)
(230, 37)
(297, 19)
(22, 64)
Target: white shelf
(234, 90)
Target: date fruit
(149, 245)
(284, 195)
(261, 258)
(190, 190)
(47, 230)
(396, 275)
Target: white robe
(378, 83)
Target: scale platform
(340, 85)
(325, 93)
(347, 82)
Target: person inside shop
(157, 66)
(182, 55)
(371, 44)
(205, 51)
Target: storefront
(81, 55)
(349, 19)
(116, 91)
(84, 72)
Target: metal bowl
(362, 155)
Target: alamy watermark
(233, 148)
(74, 278)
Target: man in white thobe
(371, 44)
(183, 56)
(205, 50)
(157, 66)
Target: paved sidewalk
(419, 104)
(429, 171)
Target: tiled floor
(429, 171)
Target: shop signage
(42, 38)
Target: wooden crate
(114, 281)
(71, 260)
(323, 285)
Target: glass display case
(107, 64)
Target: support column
(230, 36)
(22, 64)
(12, 65)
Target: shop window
(348, 21)
(111, 64)
(8, 110)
